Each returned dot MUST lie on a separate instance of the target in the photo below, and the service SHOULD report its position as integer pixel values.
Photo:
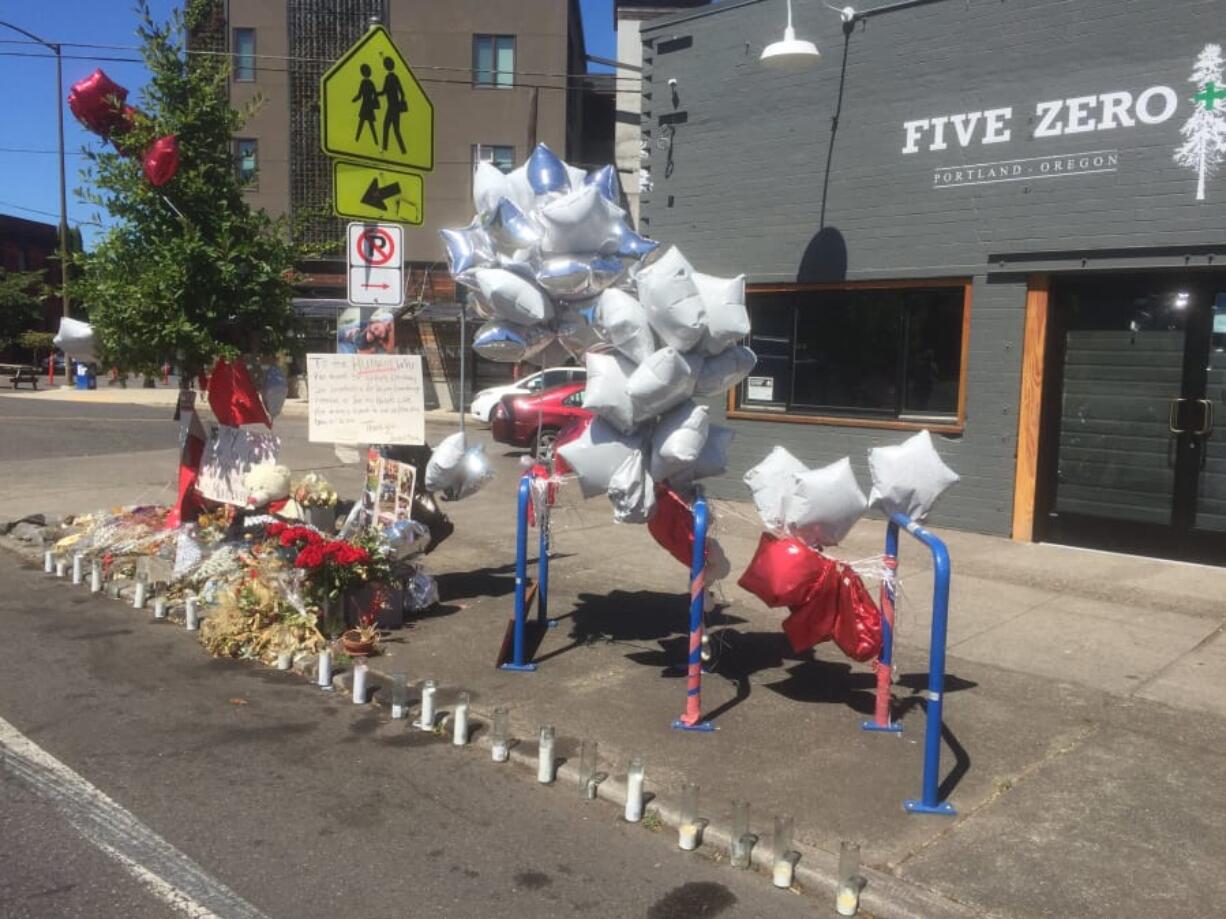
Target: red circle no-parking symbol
(375, 247)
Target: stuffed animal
(268, 487)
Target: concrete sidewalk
(1085, 703)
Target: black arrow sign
(376, 197)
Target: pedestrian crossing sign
(373, 109)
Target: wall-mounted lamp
(791, 53)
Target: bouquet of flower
(313, 490)
(331, 566)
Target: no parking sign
(376, 260)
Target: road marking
(162, 869)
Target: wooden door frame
(1030, 406)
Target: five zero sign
(374, 246)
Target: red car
(533, 420)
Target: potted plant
(362, 641)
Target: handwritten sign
(366, 399)
(229, 455)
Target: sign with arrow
(376, 264)
(377, 193)
(373, 109)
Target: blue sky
(29, 185)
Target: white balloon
(520, 189)
(512, 297)
(76, 339)
(674, 306)
(661, 382)
(678, 439)
(712, 461)
(909, 477)
(579, 221)
(726, 316)
(722, 371)
(632, 491)
(596, 454)
(607, 394)
(771, 482)
(490, 185)
(443, 470)
(509, 342)
(824, 504)
(624, 321)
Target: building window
(494, 60)
(884, 354)
(244, 55)
(246, 159)
(500, 156)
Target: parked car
(485, 400)
(59, 364)
(533, 420)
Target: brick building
(28, 245)
(1003, 222)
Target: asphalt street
(141, 778)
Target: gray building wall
(756, 162)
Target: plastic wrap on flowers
(420, 592)
(406, 538)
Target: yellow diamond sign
(372, 108)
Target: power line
(317, 60)
(34, 210)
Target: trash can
(82, 376)
(92, 374)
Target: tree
(36, 342)
(189, 270)
(21, 294)
(1204, 146)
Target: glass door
(1136, 377)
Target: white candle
(782, 874)
(95, 577)
(687, 836)
(138, 597)
(634, 791)
(500, 751)
(397, 711)
(285, 660)
(77, 576)
(61, 567)
(191, 619)
(426, 722)
(459, 726)
(545, 758)
(49, 561)
(359, 683)
(324, 673)
(847, 902)
(159, 607)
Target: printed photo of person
(360, 331)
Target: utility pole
(59, 112)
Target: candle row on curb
(690, 825)
(58, 566)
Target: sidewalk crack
(1003, 786)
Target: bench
(25, 375)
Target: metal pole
(692, 719)
(885, 661)
(521, 577)
(463, 339)
(930, 802)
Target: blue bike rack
(691, 719)
(517, 661)
(929, 801)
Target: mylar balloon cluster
(557, 272)
(98, 102)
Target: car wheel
(542, 447)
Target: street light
(59, 110)
(791, 53)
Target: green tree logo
(1204, 146)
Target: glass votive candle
(741, 843)
(459, 721)
(688, 830)
(500, 735)
(360, 672)
(847, 896)
(429, 690)
(400, 695)
(784, 867)
(545, 756)
(634, 790)
(588, 750)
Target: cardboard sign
(366, 399)
(229, 455)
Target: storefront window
(887, 353)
